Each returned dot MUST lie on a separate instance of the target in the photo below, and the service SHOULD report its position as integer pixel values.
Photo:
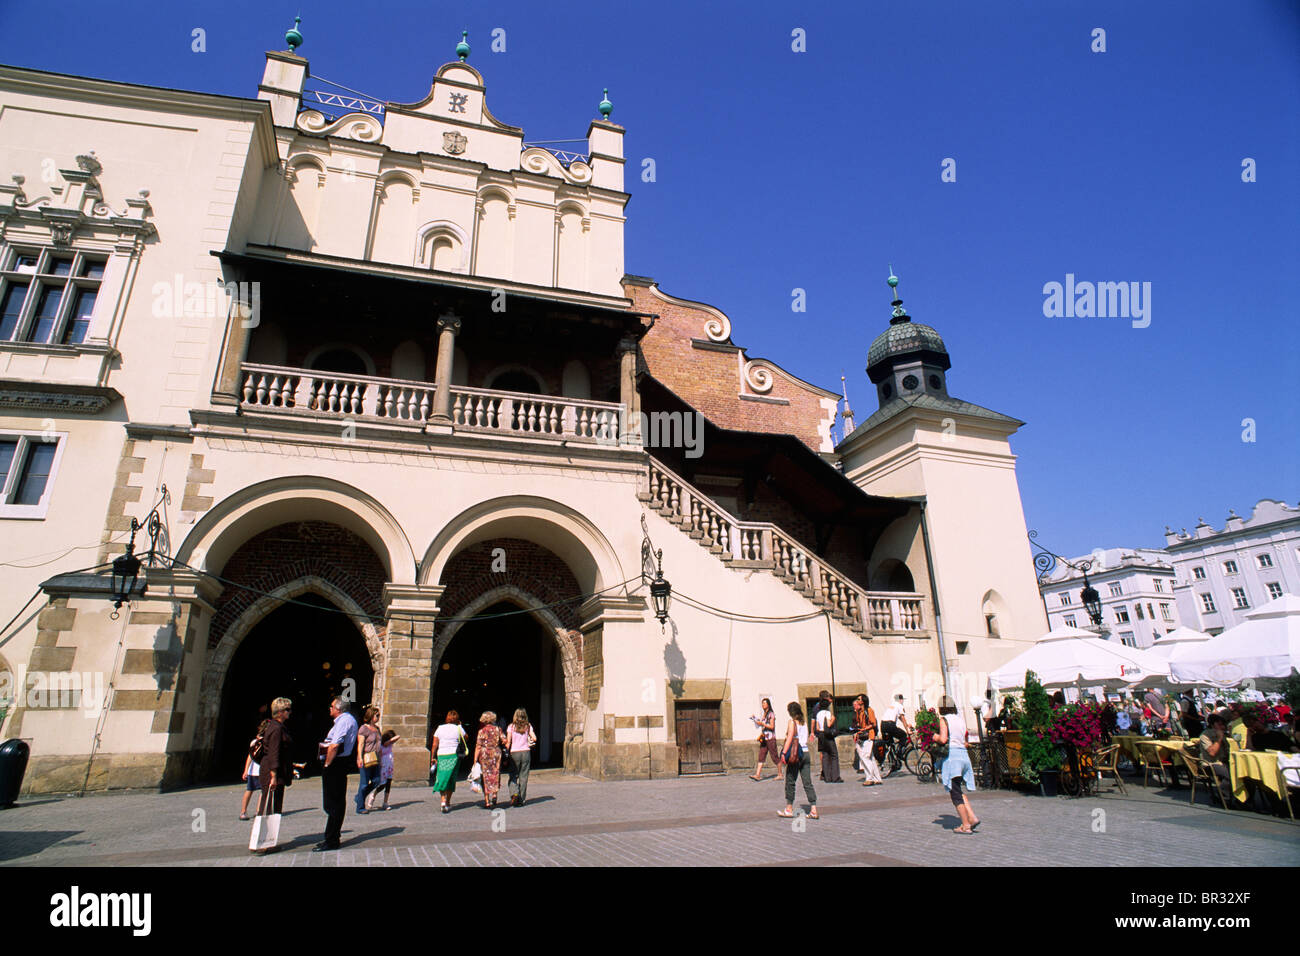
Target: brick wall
(709, 376)
(291, 551)
(530, 567)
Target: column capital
(449, 322)
(417, 601)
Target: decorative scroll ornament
(718, 328)
(362, 127)
(758, 377)
(454, 142)
(534, 159)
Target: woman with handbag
(449, 741)
(368, 738)
(487, 756)
(864, 739)
(766, 724)
(520, 739)
(957, 767)
(794, 754)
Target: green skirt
(445, 782)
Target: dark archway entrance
(498, 664)
(303, 651)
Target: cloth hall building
(421, 433)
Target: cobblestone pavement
(677, 822)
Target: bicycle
(891, 755)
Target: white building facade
(1222, 574)
(412, 433)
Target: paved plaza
(688, 821)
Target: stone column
(627, 392)
(410, 612)
(448, 328)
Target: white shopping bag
(266, 832)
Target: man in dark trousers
(336, 751)
(277, 761)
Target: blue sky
(778, 170)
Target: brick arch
(292, 551)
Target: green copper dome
(462, 48)
(904, 339)
(294, 36)
(606, 107)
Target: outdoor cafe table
(1128, 744)
(1255, 765)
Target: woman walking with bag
(957, 768)
(520, 739)
(794, 754)
(367, 755)
(864, 738)
(448, 740)
(487, 756)
(766, 724)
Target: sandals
(787, 814)
(813, 816)
(752, 777)
(963, 832)
(243, 816)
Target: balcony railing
(310, 393)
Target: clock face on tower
(910, 382)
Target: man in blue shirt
(336, 751)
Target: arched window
(892, 575)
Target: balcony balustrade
(330, 395)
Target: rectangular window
(1115, 589)
(1265, 560)
(1158, 584)
(1121, 614)
(27, 466)
(1069, 621)
(1127, 638)
(46, 298)
(1138, 608)
(1229, 567)
(1274, 590)
(1239, 598)
(1151, 611)
(1207, 603)
(963, 647)
(1198, 574)
(1165, 613)
(1066, 600)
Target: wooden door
(699, 737)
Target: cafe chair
(1201, 770)
(1106, 761)
(1288, 768)
(1152, 759)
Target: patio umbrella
(1180, 635)
(1067, 656)
(1266, 644)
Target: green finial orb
(606, 107)
(462, 48)
(294, 36)
(893, 279)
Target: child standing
(252, 769)
(385, 770)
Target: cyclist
(890, 720)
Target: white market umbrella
(1164, 647)
(1265, 644)
(1067, 656)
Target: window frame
(1066, 600)
(71, 286)
(1233, 564)
(1240, 600)
(1121, 614)
(1272, 587)
(1069, 621)
(1166, 614)
(1207, 603)
(1264, 560)
(25, 440)
(1116, 589)
(1198, 573)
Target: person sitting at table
(1109, 722)
(1212, 747)
(1272, 739)
(1123, 721)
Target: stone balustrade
(763, 544)
(270, 388)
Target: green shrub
(1037, 752)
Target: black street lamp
(1091, 599)
(126, 569)
(660, 591)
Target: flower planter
(1049, 782)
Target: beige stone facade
(363, 354)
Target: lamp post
(1045, 562)
(126, 567)
(660, 591)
